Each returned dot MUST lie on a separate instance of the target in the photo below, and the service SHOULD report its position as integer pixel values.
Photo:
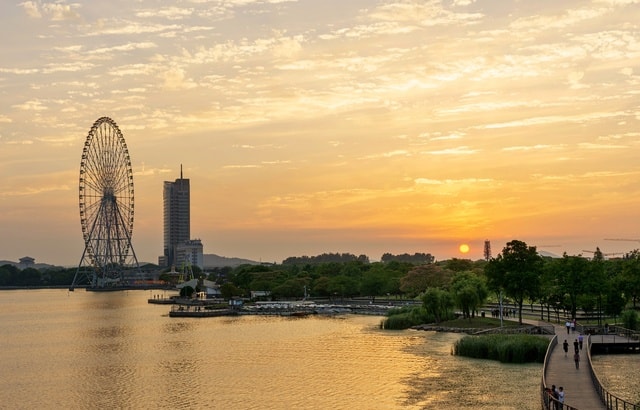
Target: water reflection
(114, 350)
(619, 374)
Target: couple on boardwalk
(558, 395)
(570, 325)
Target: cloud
(30, 191)
(31, 105)
(55, 11)
(465, 181)
(170, 13)
(536, 147)
(462, 150)
(32, 9)
(175, 78)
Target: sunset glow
(330, 126)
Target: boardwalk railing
(611, 401)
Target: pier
(583, 389)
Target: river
(81, 350)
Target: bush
(503, 348)
(405, 317)
(630, 319)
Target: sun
(464, 248)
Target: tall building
(189, 253)
(177, 218)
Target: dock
(199, 311)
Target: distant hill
(548, 254)
(216, 261)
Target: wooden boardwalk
(580, 392)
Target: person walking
(576, 346)
(576, 358)
(580, 340)
(568, 325)
(565, 347)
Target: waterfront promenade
(580, 391)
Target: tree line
(562, 286)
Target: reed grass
(519, 348)
(405, 317)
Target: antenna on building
(180, 171)
(487, 250)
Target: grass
(518, 348)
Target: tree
(29, 277)
(469, 292)
(418, 279)
(630, 277)
(229, 290)
(595, 282)
(343, 286)
(517, 272)
(187, 292)
(438, 303)
(571, 272)
(372, 284)
(552, 294)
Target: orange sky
(336, 126)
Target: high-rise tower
(177, 217)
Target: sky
(310, 127)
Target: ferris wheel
(106, 206)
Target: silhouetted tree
(517, 271)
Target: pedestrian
(565, 347)
(573, 326)
(554, 394)
(580, 340)
(561, 396)
(576, 358)
(576, 346)
(568, 325)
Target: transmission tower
(487, 250)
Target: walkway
(561, 371)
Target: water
(79, 350)
(619, 374)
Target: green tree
(229, 290)
(372, 284)
(321, 286)
(187, 292)
(343, 286)
(596, 283)
(291, 288)
(418, 279)
(571, 272)
(552, 294)
(438, 303)
(469, 292)
(29, 277)
(516, 271)
(630, 277)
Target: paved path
(561, 371)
